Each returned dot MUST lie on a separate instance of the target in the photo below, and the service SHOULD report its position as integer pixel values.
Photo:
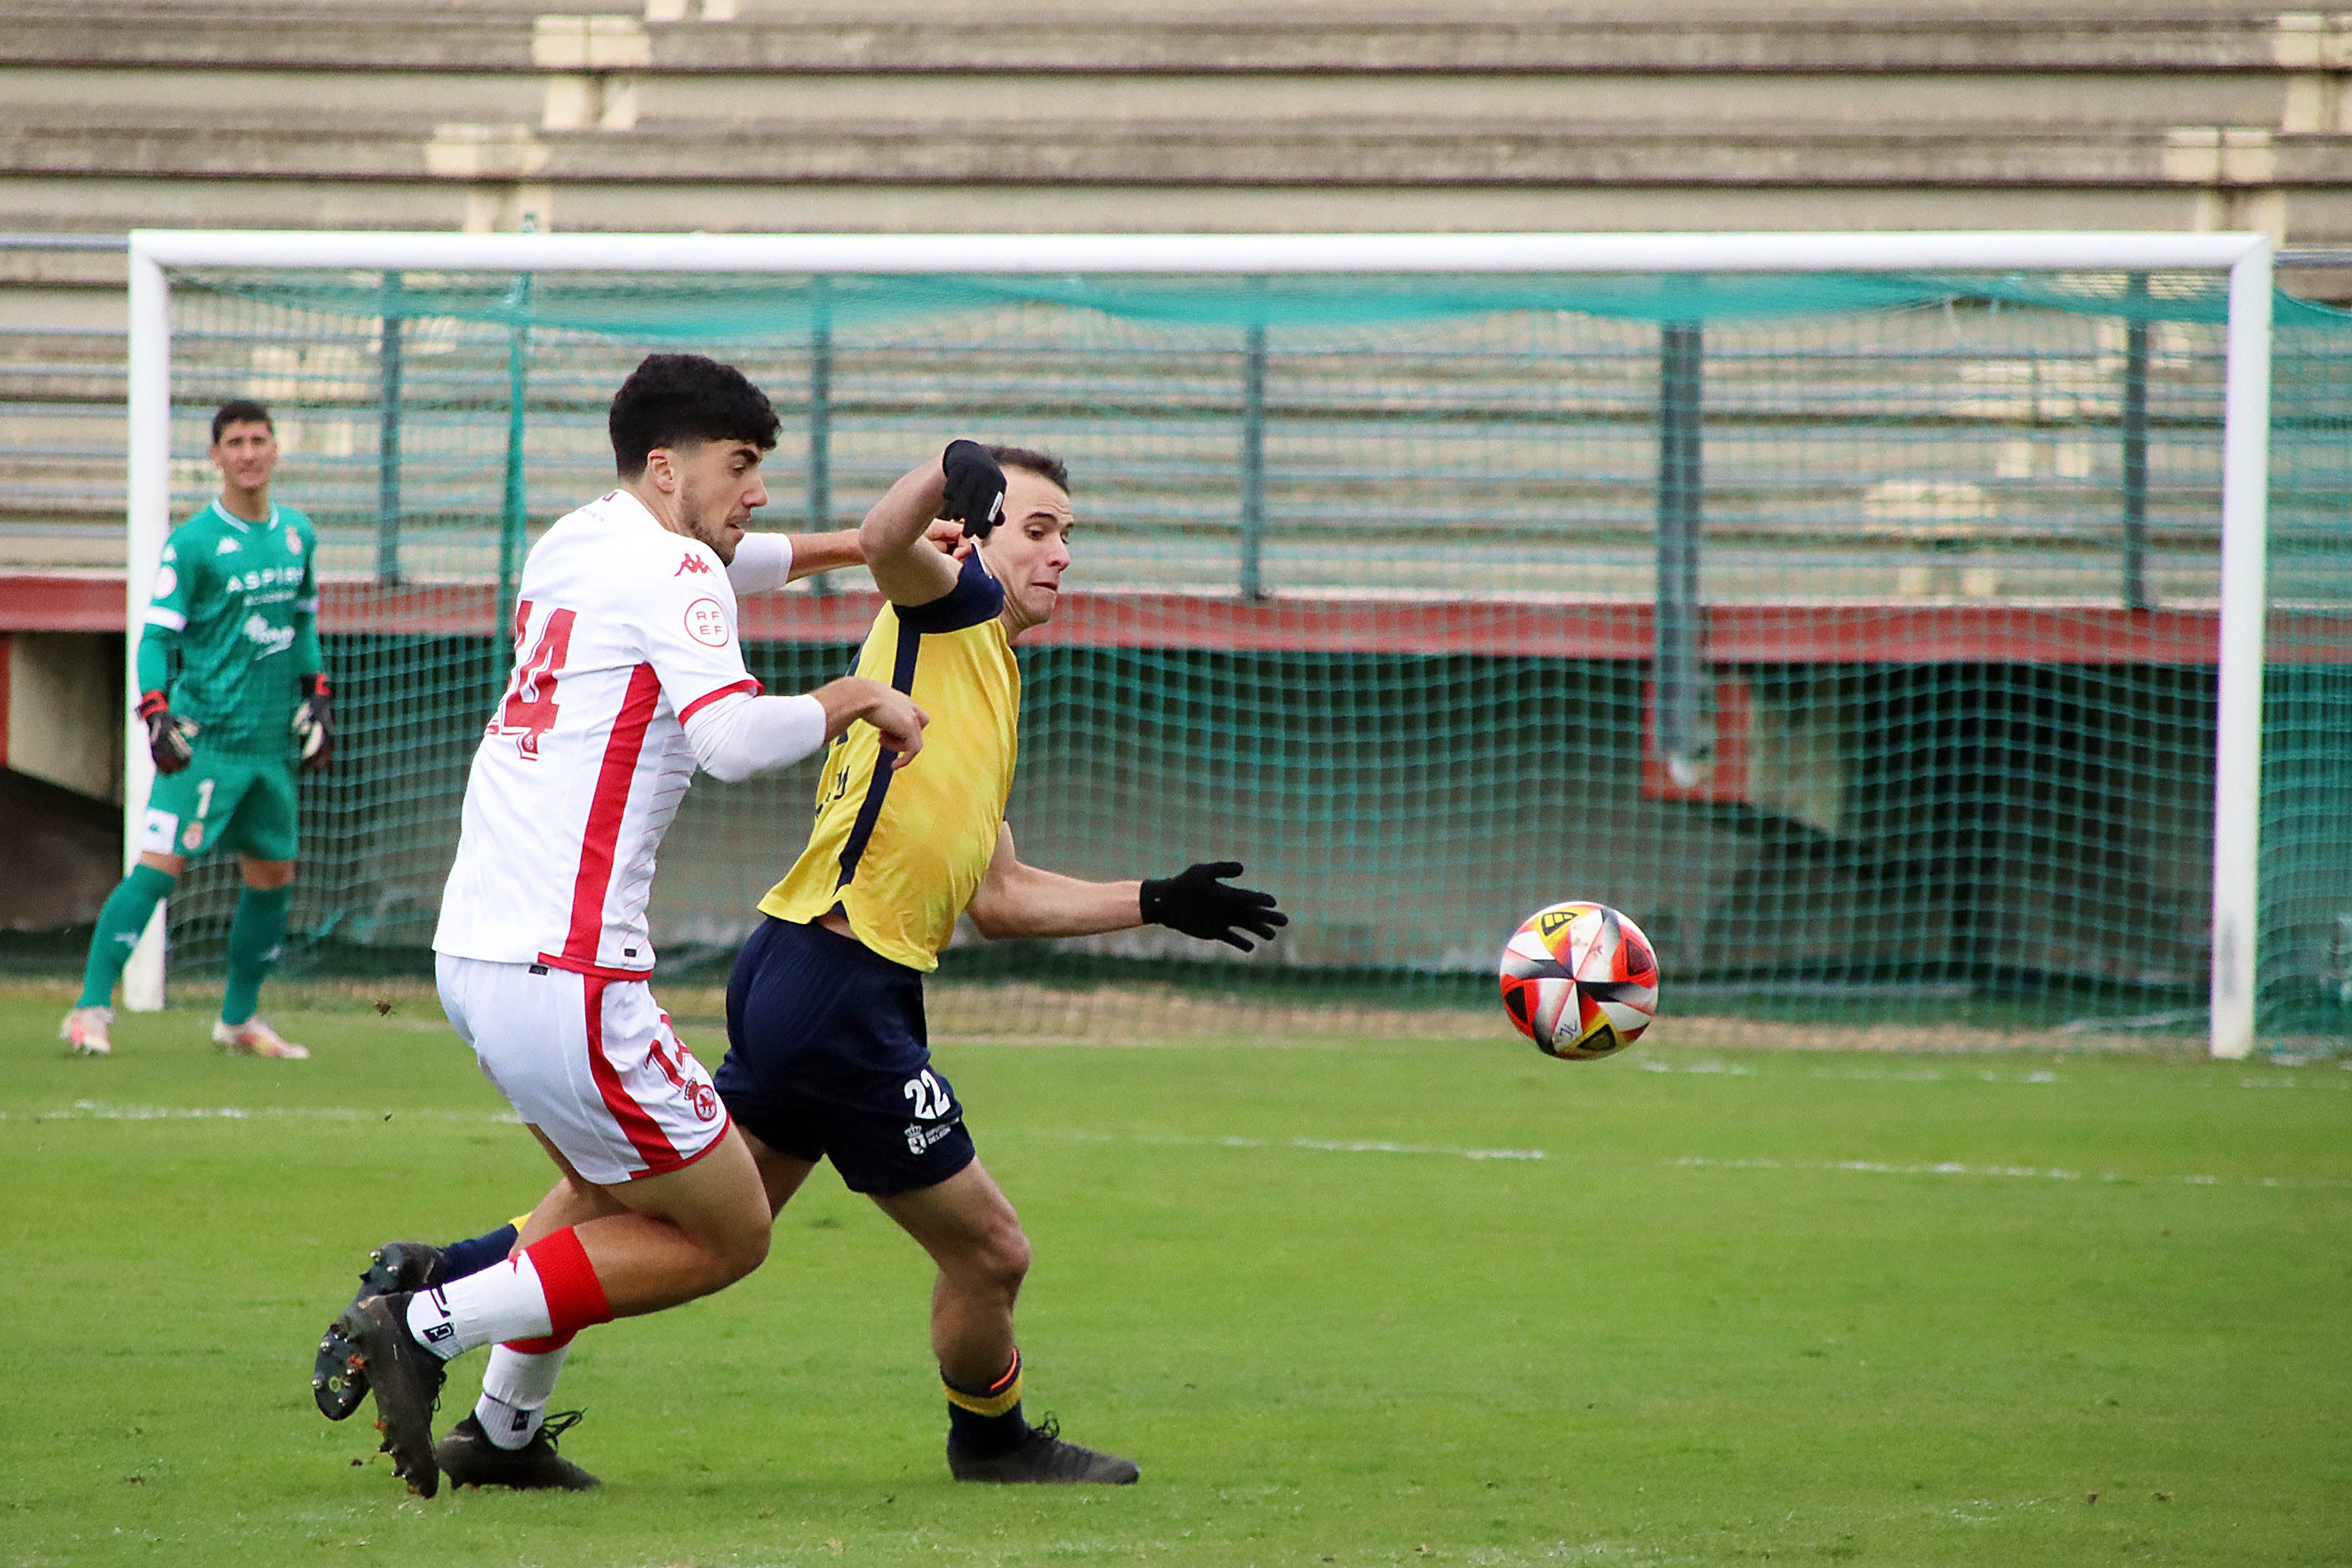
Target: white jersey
(623, 631)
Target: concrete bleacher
(979, 114)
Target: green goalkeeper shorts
(245, 803)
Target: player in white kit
(628, 675)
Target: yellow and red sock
(987, 1422)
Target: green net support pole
(511, 514)
(2135, 420)
(387, 451)
(820, 432)
(1253, 463)
(1682, 740)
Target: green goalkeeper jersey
(240, 602)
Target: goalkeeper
(236, 607)
(827, 1058)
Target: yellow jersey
(901, 852)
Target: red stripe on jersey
(605, 812)
(645, 1134)
(750, 686)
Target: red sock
(575, 1296)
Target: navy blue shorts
(827, 1059)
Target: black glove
(314, 724)
(1197, 903)
(168, 734)
(975, 493)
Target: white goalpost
(2246, 258)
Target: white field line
(94, 1110)
(1319, 1146)
(1939, 1075)
(1956, 1168)
(97, 1111)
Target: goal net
(1858, 631)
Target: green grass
(1733, 1314)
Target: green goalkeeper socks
(121, 921)
(255, 934)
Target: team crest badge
(705, 1101)
(193, 838)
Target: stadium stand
(740, 114)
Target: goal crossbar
(2248, 259)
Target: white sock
(499, 1303)
(516, 1387)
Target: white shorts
(592, 1063)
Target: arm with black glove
(314, 724)
(1015, 900)
(899, 538)
(1199, 902)
(974, 491)
(169, 736)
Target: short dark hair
(1045, 464)
(671, 399)
(241, 410)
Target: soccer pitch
(1346, 1302)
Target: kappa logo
(694, 563)
(226, 547)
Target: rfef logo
(705, 623)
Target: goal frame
(2248, 259)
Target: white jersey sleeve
(622, 632)
(762, 563)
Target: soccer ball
(1580, 979)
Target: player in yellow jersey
(827, 1057)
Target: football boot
(85, 1030)
(255, 1037)
(335, 1382)
(1043, 1457)
(469, 1457)
(373, 1338)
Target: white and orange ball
(1580, 979)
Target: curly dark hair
(670, 399)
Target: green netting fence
(1854, 633)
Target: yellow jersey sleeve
(899, 852)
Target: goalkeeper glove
(975, 491)
(168, 734)
(1196, 902)
(314, 724)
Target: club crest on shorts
(920, 1138)
(705, 1101)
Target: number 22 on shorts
(930, 1097)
